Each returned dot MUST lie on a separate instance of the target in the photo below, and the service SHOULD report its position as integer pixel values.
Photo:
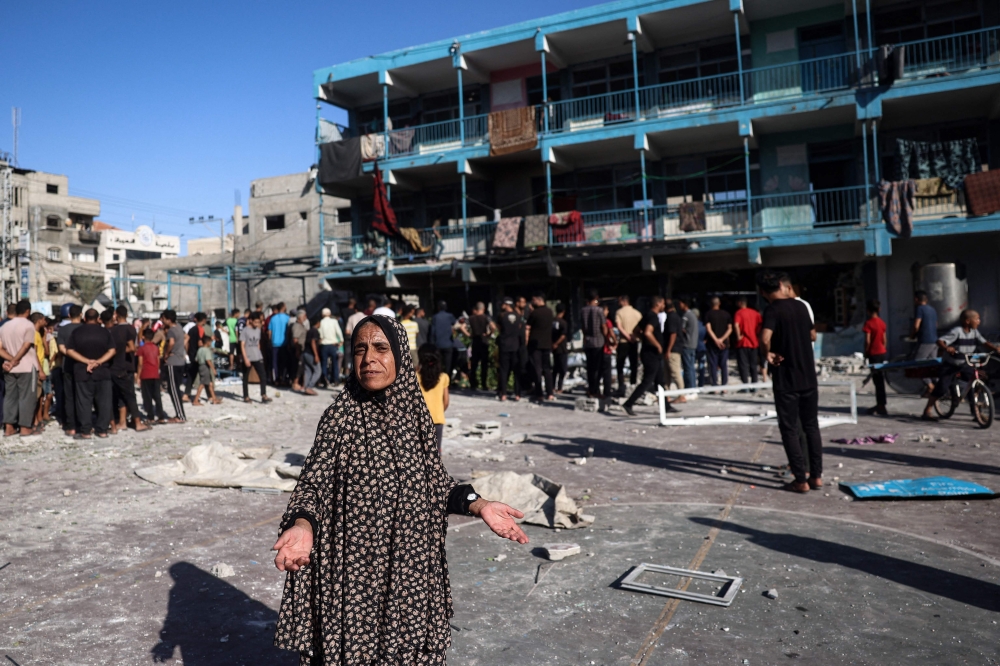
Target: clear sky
(164, 109)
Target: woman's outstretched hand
(500, 518)
(294, 546)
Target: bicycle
(981, 400)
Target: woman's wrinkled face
(374, 364)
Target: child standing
(875, 351)
(206, 373)
(434, 386)
(148, 355)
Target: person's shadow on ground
(957, 587)
(211, 623)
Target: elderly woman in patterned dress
(363, 537)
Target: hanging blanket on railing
(982, 192)
(692, 216)
(933, 188)
(896, 201)
(372, 147)
(412, 236)
(384, 219)
(536, 230)
(512, 130)
(951, 161)
(401, 141)
(506, 234)
(567, 227)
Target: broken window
(303, 215)
(51, 188)
(54, 287)
(274, 222)
(52, 222)
(54, 254)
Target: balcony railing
(929, 57)
(814, 209)
(437, 137)
(954, 53)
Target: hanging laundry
(372, 147)
(384, 219)
(933, 187)
(401, 141)
(692, 216)
(950, 161)
(412, 236)
(536, 230)
(512, 130)
(982, 192)
(508, 229)
(340, 161)
(567, 227)
(896, 201)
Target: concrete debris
(224, 639)
(587, 404)
(229, 417)
(67, 492)
(215, 465)
(924, 438)
(222, 570)
(579, 461)
(719, 572)
(725, 628)
(514, 438)
(499, 558)
(647, 400)
(487, 455)
(544, 502)
(560, 551)
(157, 574)
(485, 430)
(943, 439)
(723, 471)
(771, 594)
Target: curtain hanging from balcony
(384, 219)
(340, 161)
(512, 130)
(951, 161)
(896, 200)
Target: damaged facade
(680, 147)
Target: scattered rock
(723, 471)
(560, 551)
(771, 594)
(500, 558)
(579, 461)
(725, 628)
(719, 572)
(222, 570)
(485, 430)
(224, 639)
(157, 574)
(587, 404)
(840, 465)
(67, 492)
(515, 438)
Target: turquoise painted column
(545, 95)
(645, 197)
(635, 73)
(875, 149)
(385, 118)
(739, 56)
(864, 147)
(319, 191)
(458, 64)
(465, 219)
(746, 171)
(548, 195)
(857, 39)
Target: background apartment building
(698, 141)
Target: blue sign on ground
(932, 486)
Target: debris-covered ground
(98, 566)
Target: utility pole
(15, 121)
(36, 216)
(222, 228)
(5, 254)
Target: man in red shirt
(875, 351)
(149, 379)
(747, 323)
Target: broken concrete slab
(543, 501)
(560, 551)
(587, 404)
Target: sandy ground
(100, 567)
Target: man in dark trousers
(719, 324)
(123, 371)
(510, 329)
(441, 337)
(538, 336)
(786, 341)
(650, 335)
(480, 329)
(92, 347)
(592, 325)
(63, 334)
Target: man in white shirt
(385, 311)
(330, 339)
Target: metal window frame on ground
(731, 584)
(765, 417)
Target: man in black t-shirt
(511, 333)
(70, 422)
(560, 348)
(480, 329)
(92, 348)
(719, 325)
(123, 372)
(786, 340)
(651, 354)
(538, 335)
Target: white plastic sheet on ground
(218, 466)
(544, 502)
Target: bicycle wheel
(946, 405)
(983, 406)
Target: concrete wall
(775, 27)
(294, 197)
